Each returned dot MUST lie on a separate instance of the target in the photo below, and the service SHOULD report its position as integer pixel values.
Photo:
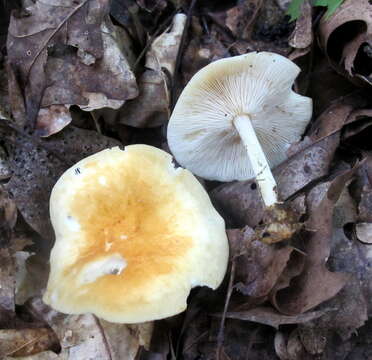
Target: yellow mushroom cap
(133, 236)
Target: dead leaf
(35, 170)
(52, 119)
(302, 36)
(5, 172)
(239, 19)
(258, 265)
(323, 79)
(281, 346)
(362, 191)
(8, 216)
(295, 348)
(353, 257)
(150, 6)
(269, 316)
(345, 38)
(200, 51)
(87, 337)
(25, 342)
(364, 232)
(316, 283)
(243, 339)
(4, 97)
(151, 107)
(359, 120)
(123, 13)
(164, 49)
(7, 289)
(313, 339)
(71, 56)
(31, 276)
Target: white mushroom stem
(261, 168)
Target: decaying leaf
(151, 107)
(7, 289)
(269, 316)
(200, 51)
(164, 50)
(364, 232)
(323, 80)
(316, 283)
(31, 276)
(302, 36)
(8, 216)
(258, 265)
(65, 53)
(35, 170)
(346, 38)
(87, 337)
(362, 191)
(5, 172)
(52, 119)
(239, 19)
(24, 342)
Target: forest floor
(80, 76)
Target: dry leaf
(269, 316)
(362, 191)
(324, 85)
(364, 232)
(8, 216)
(239, 19)
(25, 342)
(164, 50)
(5, 172)
(316, 283)
(31, 276)
(66, 53)
(200, 51)
(258, 265)
(281, 346)
(346, 37)
(302, 36)
(87, 337)
(151, 107)
(7, 289)
(45, 355)
(35, 170)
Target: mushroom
(133, 235)
(236, 118)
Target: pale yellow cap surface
(133, 236)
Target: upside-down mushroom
(236, 118)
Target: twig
(96, 123)
(195, 341)
(180, 52)
(220, 336)
(160, 29)
(22, 346)
(105, 341)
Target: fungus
(133, 236)
(237, 117)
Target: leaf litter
(81, 81)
